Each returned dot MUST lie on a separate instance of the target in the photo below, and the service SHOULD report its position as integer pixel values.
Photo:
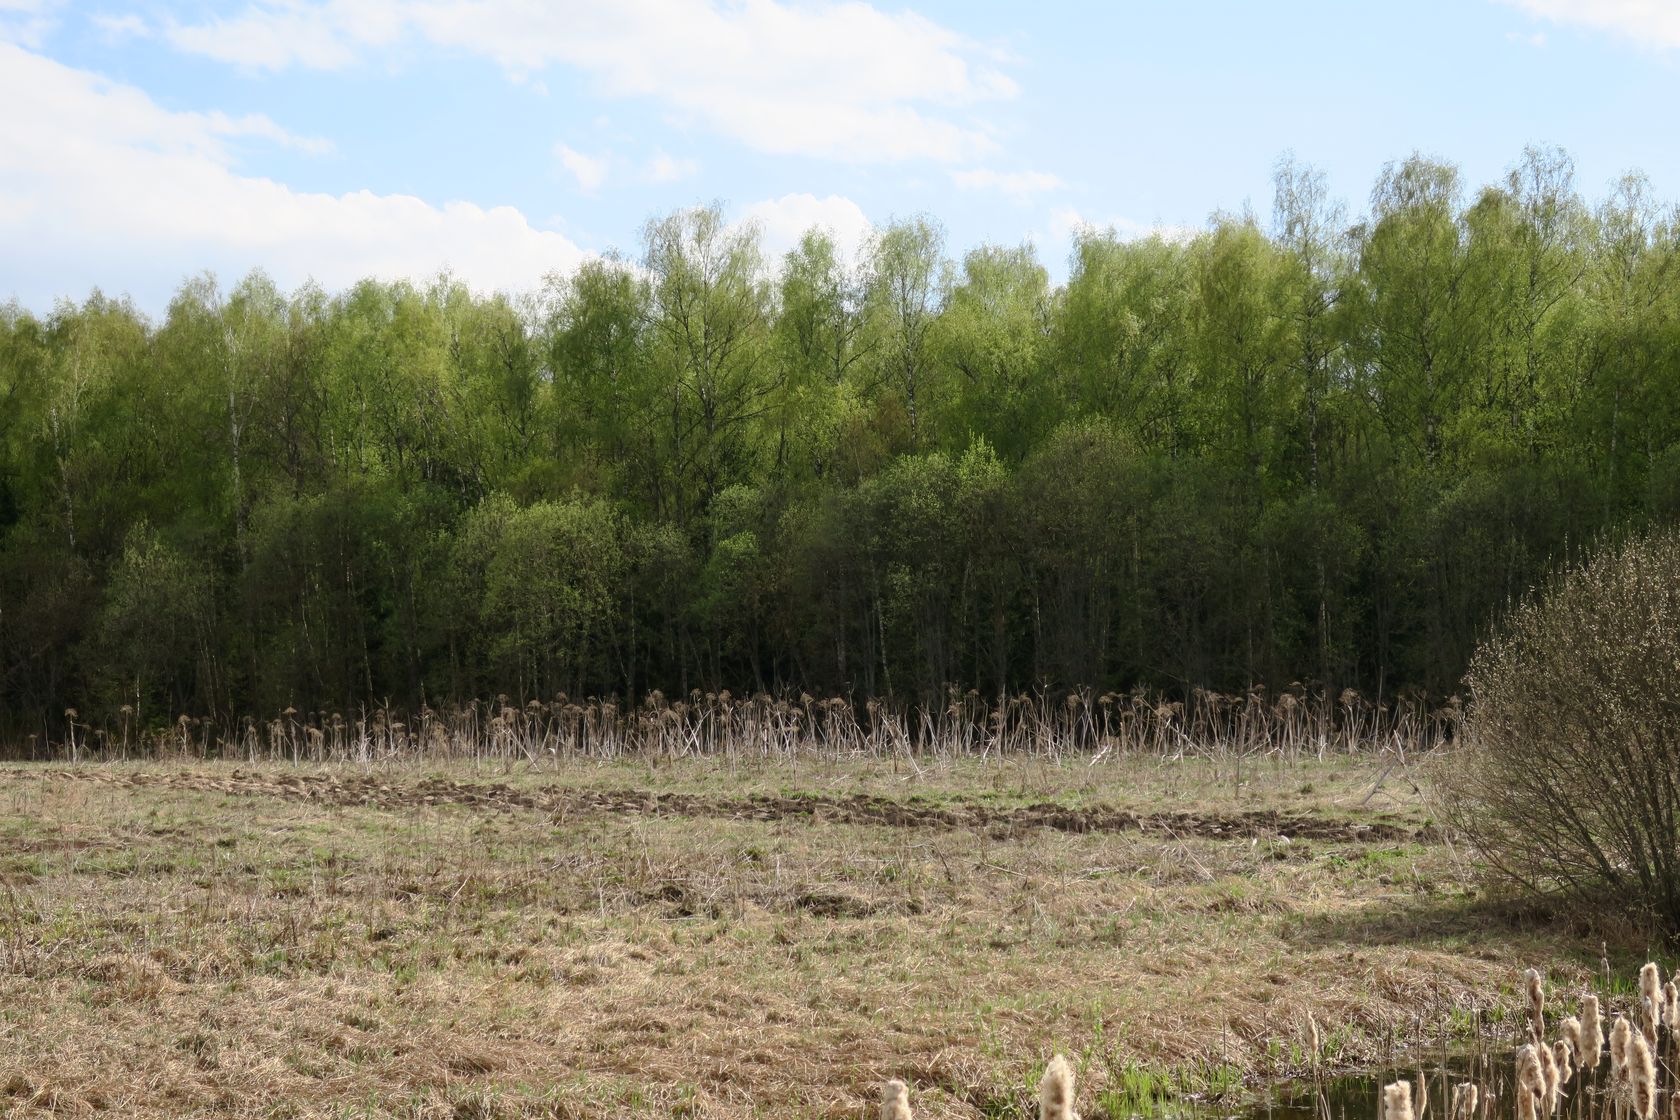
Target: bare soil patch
(381, 791)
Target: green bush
(1568, 781)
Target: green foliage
(1320, 451)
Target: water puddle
(1345, 1095)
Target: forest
(1308, 448)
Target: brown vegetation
(205, 941)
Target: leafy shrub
(1569, 779)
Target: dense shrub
(1569, 781)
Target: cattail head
(1397, 1101)
(1531, 1082)
(1463, 1102)
(1055, 1091)
(895, 1101)
(1551, 1078)
(1564, 1055)
(1536, 1003)
(1621, 1038)
(1571, 1028)
(1312, 1038)
(1650, 1001)
(1674, 1105)
(1642, 1072)
(1592, 1034)
(1671, 1005)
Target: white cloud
(27, 21)
(589, 171)
(1065, 223)
(663, 168)
(1653, 23)
(1020, 186)
(100, 185)
(783, 221)
(115, 29)
(843, 81)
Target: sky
(504, 140)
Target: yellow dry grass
(625, 941)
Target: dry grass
(200, 941)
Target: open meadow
(703, 938)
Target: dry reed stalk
(507, 730)
(895, 1101)
(1055, 1091)
(1397, 1101)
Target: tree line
(1294, 448)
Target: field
(622, 939)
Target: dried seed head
(1397, 1101)
(1530, 1088)
(895, 1101)
(1592, 1034)
(1642, 1071)
(1621, 1038)
(1671, 1005)
(1463, 1102)
(1571, 1028)
(1536, 1004)
(1055, 1091)
(1551, 1076)
(1565, 1058)
(1650, 1001)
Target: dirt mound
(561, 801)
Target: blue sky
(505, 139)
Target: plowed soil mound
(561, 801)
